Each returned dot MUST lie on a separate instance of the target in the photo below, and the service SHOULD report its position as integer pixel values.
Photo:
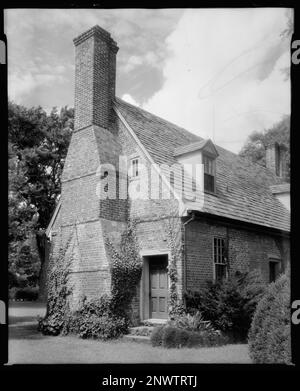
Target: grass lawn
(27, 346)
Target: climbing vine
(173, 231)
(58, 288)
(126, 270)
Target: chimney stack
(95, 78)
(275, 160)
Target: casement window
(209, 173)
(134, 168)
(274, 270)
(220, 259)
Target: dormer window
(135, 168)
(209, 173)
(204, 152)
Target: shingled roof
(242, 188)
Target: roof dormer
(202, 152)
(282, 193)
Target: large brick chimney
(95, 77)
(86, 220)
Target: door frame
(145, 280)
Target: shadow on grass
(19, 319)
(29, 331)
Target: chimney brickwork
(275, 159)
(95, 75)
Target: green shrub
(190, 322)
(174, 337)
(103, 327)
(94, 319)
(99, 306)
(59, 289)
(27, 293)
(156, 336)
(171, 337)
(269, 336)
(50, 326)
(229, 305)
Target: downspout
(184, 249)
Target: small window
(209, 174)
(220, 259)
(273, 270)
(105, 174)
(135, 168)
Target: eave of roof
(282, 188)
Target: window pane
(208, 182)
(219, 251)
(205, 161)
(215, 250)
(134, 167)
(208, 165)
(220, 272)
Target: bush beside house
(269, 336)
(229, 305)
(105, 317)
(187, 331)
(95, 319)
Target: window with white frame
(134, 168)
(220, 259)
(209, 173)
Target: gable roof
(243, 188)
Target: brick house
(240, 221)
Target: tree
(255, 147)
(38, 144)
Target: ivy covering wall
(126, 270)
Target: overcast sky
(216, 72)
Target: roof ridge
(160, 118)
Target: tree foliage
(255, 147)
(37, 146)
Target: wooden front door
(158, 287)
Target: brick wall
(247, 250)
(153, 217)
